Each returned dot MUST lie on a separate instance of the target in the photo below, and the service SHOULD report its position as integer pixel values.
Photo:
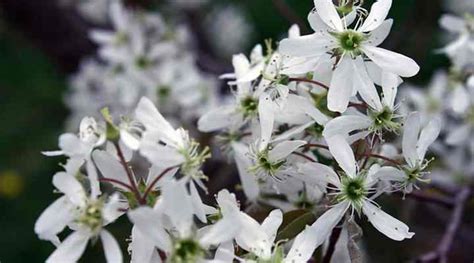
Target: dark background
(41, 44)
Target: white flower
(416, 140)
(86, 215)
(166, 147)
(461, 50)
(352, 189)
(350, 46)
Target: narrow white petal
(283, 149)
(327, 12)
(53, 220)
(378, 13)
(110, 167)
(141, 246)
(342, 153)
(223, 231)
(198, 205)
(69, 185)
(160, 155)
(345, 124)
(411, 130)
(303, 247)
(147, 221)
(390, 83)
(112, 251)
(71, 249)
(318, 174)
(252, 238)
(303, 105)
(271, 224)
(458, 135)
(147, 114)
(377, 36)
(364, 85)
(316, 23)
(305, 46)
(266, 115)
(241, 65)
(391, 61)
(217, 119)
(385, 223)
(341, 87)
(386, 173)
(427, 136)
(452, 23)
(225, 252)
(248, 180)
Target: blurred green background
(36, 57)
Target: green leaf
(294, 222)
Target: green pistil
(186, 250)
(350, 41)
(249, 106)
(353, 190)
(92, 215)
(384, 120)
(265, 165)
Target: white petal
(452, 23)
(110, 167)
(147, 114)
(129, 140)
(72, 145)
(303, 247)
(327, 12)
(326, 222)
(345, 124)
(283, 149)
(247, 179)
(266, 115)
(241, 65)
(377, 36)
(146, 220)
(112, 251)
(225, 252)
(309, 45)
(69, 185)
(318, 174)
(102, 36)
(390, 84)
(391, 61)
(341, 87)
(386, 173)
(411, 130)
(141, 246)
(53, 220)
(222, 231)
(217, 119)
(178, 206)
(303, 105)
(365, 85)
(378, 13)
(93, 178)
(427, 136)
(71, 249)
(252, 238)
(160, 155)
(198, 205)
(271, 224)
(316, 23)
(385, 223)
(460, 100)
(343, 154)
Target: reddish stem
(304, 156)
(322, 85)
(128, 171)
(110, 180)
(152, 184)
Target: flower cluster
(141, 55)
(313, 124)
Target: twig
(304, 156)
(322, 85)
(152, 184)
(289, 14)
(440, 254)
(110, 180)
(128, 171)
(423, 197)
(383, 158)
(336, 232)
(317, 145)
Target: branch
(336, 232)
(152, 184)
(383, 158)
(128, 171)
(304, 156)
(322, 85)
(440, 254)
(113, 181)
(423, 197)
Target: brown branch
(423, 197)
(152, 184)
(336, 232)
(440, 254)
(290, 15)
(383, 158)
(128, 171)
(304, 156)
(322, 85)
(317, 145)
(113, 181)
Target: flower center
(353, 190)
(384, 120)
(350, 40)
(249, 106)
(91, 216)
(265, 166)
(186, 250)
